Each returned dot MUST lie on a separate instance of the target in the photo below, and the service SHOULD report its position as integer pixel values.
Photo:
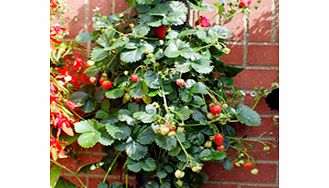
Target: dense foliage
(154, 93)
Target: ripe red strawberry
(160, 32)
(102, 79)
(203, 22)
(180, 82)
(134, 78)
(138, 100)
(107, 84)
(244, 3)
(215, 109)
(218, 139)
(220, 148)
(249, 165)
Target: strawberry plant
(157, 96)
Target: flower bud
(179, 174)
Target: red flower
(57, 148)
(61, 122)
(70, 104)
(244, 3)
(53, 4)
(203, 22)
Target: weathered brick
(247, 186)
(258, 153)
(267, 126)
(76, 17)
(261, 107)
(94, 181)
(216, 172)
(219, 185)
(260, 22)
(74, 180)
(120, 5)
(263, 55)
(235, 26)
(104, 8)
(251, 78)
(236, 55)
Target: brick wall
(255, 46)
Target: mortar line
(254, 43)
(84, 175)
(113, 3)
(86, 21)
(267, 162)
(245, 40)
(242, 183)
(274, 14)
(277, 174)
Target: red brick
(246, 186)
(76, 10)
(277, 22)
(266, 126)
(120, 5)
(93, 181)
(258, 153)
(251, 78)
(216, 172)
(236, 55)
(81, 160)
(74, 180)
(260, 22)
(261, 107)
(219, 185)
(104, 8)
(97, 148)
(263, 55)
(235, 26)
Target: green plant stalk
(111, 166)
(188, 156)
(70, 171)
(165, 100)
(206, 46)
(231, 16)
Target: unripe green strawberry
(164, 130)
(227, 51)
(180, 129)
(254, 171)
(208, 144)
(210, 116)
(266, 148)
(179, 183)
(171, 133)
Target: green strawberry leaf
(55, 174)
(247, 116)
(115, 93)
(135, 150)
(89, 139)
